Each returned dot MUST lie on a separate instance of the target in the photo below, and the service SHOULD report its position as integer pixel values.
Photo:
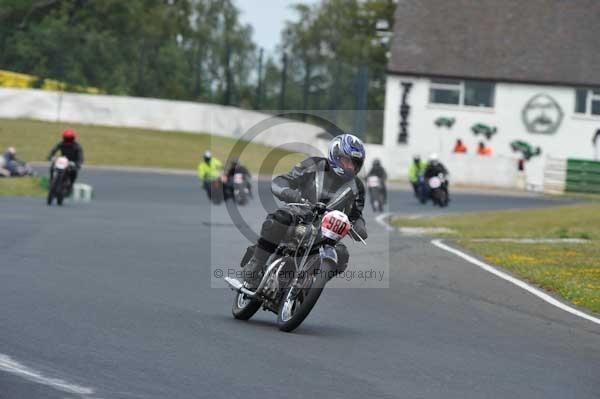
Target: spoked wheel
(244, 307)
(375, 205)
(50, 196)
(54, 190)
(443, 199)
(297, 301)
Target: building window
(445, 92)
(587, 101)
(459, 92)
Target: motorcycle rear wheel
(243, 307)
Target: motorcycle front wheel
(244, 307)
(298, 302)
(54, 190)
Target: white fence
(150, 113)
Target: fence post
(284, 68)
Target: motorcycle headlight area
(300, 232)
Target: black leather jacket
(238, 169)
(378, 171)
(315, 181)
(73, 151)
(435, 169)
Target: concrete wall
(572, 139)
(167, 116)
(499, 171)
(152, 114)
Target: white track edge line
(11, 366)
(381, 220)
(517, 282)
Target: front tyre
(54, 190)
(297, 303)
(50, 197)
(244, 307)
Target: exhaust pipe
(236, 285)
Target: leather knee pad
(274, 229)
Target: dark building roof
(537, 41)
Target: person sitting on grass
(12, 166)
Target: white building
(522, 71)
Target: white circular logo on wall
(542, 114)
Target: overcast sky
(267, 18)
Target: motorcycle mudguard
(328, 253)
(248, 255)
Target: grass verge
(22, 187)
(569, 270)
(105, 145)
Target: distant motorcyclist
(235, 167)
(70, 149)
(415, 170)
(379, 171)
(313, 180)
(209, 169)
(435, 168)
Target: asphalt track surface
(116, 296)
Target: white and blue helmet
(344, 148)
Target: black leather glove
(290, 195)
(360, 228)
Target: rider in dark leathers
(70, 149)
(379, 171)
(434, 168)
(235, 166)
(314, 179)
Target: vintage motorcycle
(299, 269)
(241, 189)
(60, 183)
(217, 190)
(438, 190)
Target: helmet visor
(351, 165)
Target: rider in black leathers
(70, 149)
(314, 179)
(434, 168)
(379, 171)
(235, 166)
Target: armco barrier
(583, 176)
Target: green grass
(569, 270)
(22, 187)
(114, 146)
(569, 221)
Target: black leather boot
(254, 269)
